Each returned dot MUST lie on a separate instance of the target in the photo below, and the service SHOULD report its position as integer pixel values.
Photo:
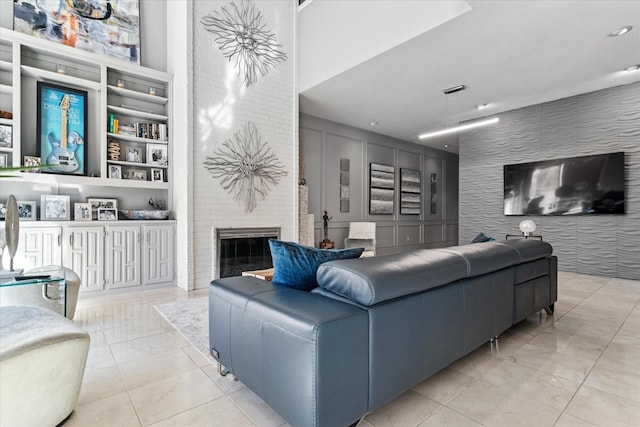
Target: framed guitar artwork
(62, 128)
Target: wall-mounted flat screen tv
(572, 186)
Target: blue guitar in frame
(62, 155)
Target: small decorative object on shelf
(527, 227)
(120, 83)
(326, 243)
(152, 91)
(113, 150)
(61, 69)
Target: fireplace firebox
(244, 249)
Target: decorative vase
(12, 228)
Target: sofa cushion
(485, 257)
(527, 249)
(369, 281)
(295, 265)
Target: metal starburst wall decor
(242, 36)
(247, 166)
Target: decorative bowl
(143, 215)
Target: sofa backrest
(369, 281)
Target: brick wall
(222, 105)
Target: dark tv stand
(522, 236)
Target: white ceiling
(510, 54)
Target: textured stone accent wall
(592, 123)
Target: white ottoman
(42, 361)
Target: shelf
(6, 150)
(130, 138)
(6, 122)
(39, 73)
(136, 165)
(6, 66)
(6, 89)
(136, 113)
(133, 94)
(71, 180)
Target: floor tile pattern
(579, 367)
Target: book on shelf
(157, 131)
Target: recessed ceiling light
(620, 31)
(374, 123)
(446, 145)
(481, 106)
(633, 68)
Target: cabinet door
(85, 256)
(158, 254)
(37, 247)
(123, 254)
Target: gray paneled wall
(592, 123)
(323, 143)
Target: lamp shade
(527, 227)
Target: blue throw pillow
(295, 265)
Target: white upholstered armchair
(362, 235)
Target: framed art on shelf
(115, 171)
(157, 175)
(32, 162)
(105, 214)
(134, 155)
(157, 154)
(54, 208)
(82, 211)
(137, 174)
(4, 160)
(97, 204)
(27, 211)
(61, 128)
(381, 189)
(6, 135)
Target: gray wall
(323, 143)
(592, 123)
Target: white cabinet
(123, 256)
(158, 259)
(38, 246)
(84, 254)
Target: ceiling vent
(454, 89)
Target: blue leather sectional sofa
(375, 327)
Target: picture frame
(134, 155)
(157, 175)
(137, 174)
(32, 161)
(157, 154)
(381, 189)
(115, 171)
(6, 136)
(62, 128)
(3, 209)
(97, 204)
(86, 28)
(4, 160)
(410, 191)
(82, 212)
(55, 208)
(105, 214)
(27, 210)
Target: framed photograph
(115, 171)
(381, 189)
(157, 154)
(32, 161)
(410, 185)
(3, 209)
(137, 174)
(134, 154)
(157, 175)
(54, 208)
(94, 26)
(82, 212)
(97, 204)
(4, 160)
(62, 127)
(27, 211)
(105, 214)
(6, 134)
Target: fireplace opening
(244, 249)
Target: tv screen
(573, 186)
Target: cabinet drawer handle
(59, 239)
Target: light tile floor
(580, 367)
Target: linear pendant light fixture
(460, 128)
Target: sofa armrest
(305, 355)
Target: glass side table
(46, 288)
